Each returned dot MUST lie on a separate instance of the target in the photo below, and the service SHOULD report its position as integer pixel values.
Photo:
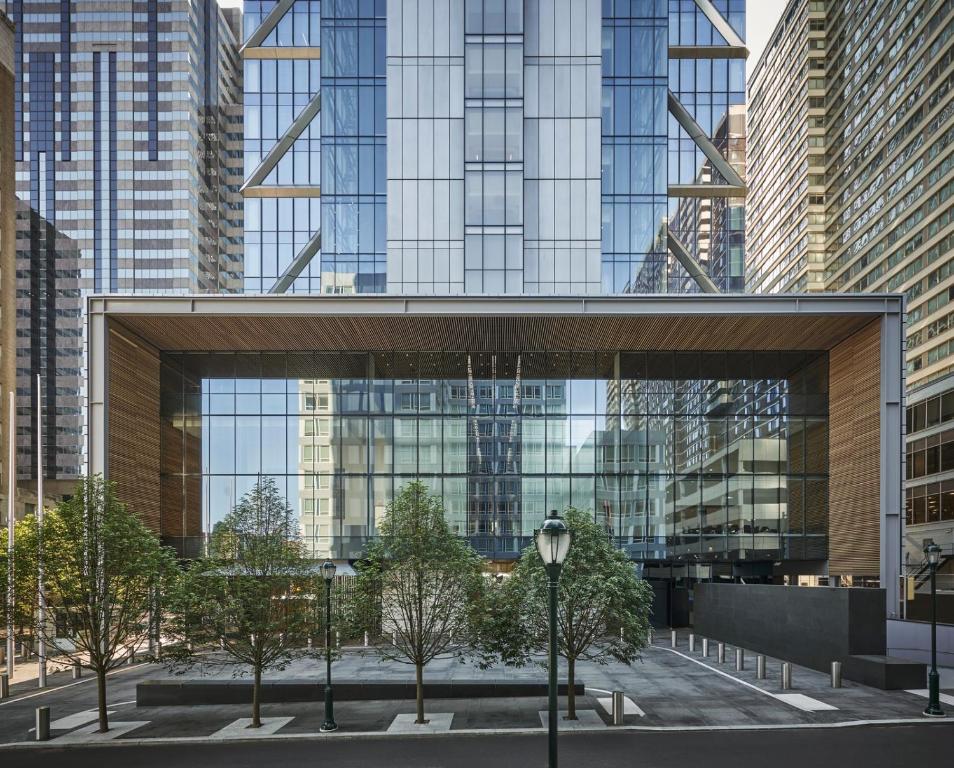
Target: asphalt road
(865, 747)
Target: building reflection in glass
(693, 455)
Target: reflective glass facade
(493, 146)
(720, 455)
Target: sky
(761, 16)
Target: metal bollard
(760, 667)
(77, 670)
(365, 639)
(674, 643)
(42, 723)
(720, 653)
(4, 686)
(337, 639)
(310, 643)
(618, 708)
(739, 659)
(393, 638)
(786, 676)
(652, 636)
(705, 647)
(692, 643)
(836, 674)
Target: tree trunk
(419, 671)
(101, 695)
(257, 699)
(571, 689)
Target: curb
(472, 732)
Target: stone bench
(885, 672)
(157, 693)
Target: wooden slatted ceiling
(221, 332)
(854, 488)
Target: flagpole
(41, 593)
(11, 515)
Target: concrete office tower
(492, 146)
(127, 176)
(851, 125)
(787, 115)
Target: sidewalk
(670, 689)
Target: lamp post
(553, 542)
(328, 572)
(933, 553)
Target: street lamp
(933, 554)
(553, 542)
(328, 572)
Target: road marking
(240, 728)
(945, 697)
(776, 696)
(91, 733)
(804, 703)
(351, 735)
(630, 707)
(70, 722)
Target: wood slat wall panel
(133, 407)
(855, 454)
(489, 332)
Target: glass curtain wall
(720, 456)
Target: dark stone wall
(811, 626)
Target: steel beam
(301, 260)
(275, 15)
(702, 140)
(693, 267)
(719, 22)
(298, 126)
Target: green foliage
(103, 568)
(603, 607)
(25, 572)
(253, 596)
(419, 588)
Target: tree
(25, 576)
(102, 568)
(603, 609)
(419, 586)
(253, 596)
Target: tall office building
(127, 118)
(8, 244)
(491, 146)
(462, 148)
(851, 126)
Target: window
(324, 454)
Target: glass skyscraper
(127, 121)
(494, 147)
(461, 147)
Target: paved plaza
(669, 689)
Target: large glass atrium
(714, 456)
